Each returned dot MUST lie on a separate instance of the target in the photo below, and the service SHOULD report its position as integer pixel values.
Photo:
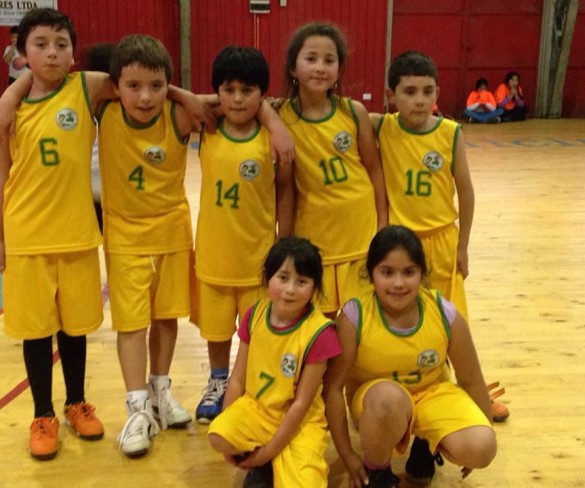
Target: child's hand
(357, 472)
(259, 457)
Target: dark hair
(510, 75)
(141, 49)
(44, 16)
(296, 44)
(306, 257)
(480, 82)
(98, 56)
(244, 64)
(395, 237)
(14, 30)
(411, 63)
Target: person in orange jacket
(481, 104)
(509, 97)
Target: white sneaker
(166, 409)
(139, 429)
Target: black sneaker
(260, 477)
(382, 478)
(420, 466)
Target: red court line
(24, 384)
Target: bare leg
(219, 353)
(162, 340)
(132, 357)
(473, 448)
(387, 411)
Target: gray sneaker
(139, 429)
(166, 409)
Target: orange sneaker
(44, 438)
(81, 417)
(499, 411)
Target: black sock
(73, 353)
(38, 359)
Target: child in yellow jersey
(338, 174)
(243, 196)
(273, 422)
(425, 166)
(148, 240)
(397, 345)
(49, 232)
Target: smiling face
(397, 279)
(239, 102)
(142, 92)
(415, 97)
(49, 53)
(317, 65)
(289, 291)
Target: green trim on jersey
(412, 330)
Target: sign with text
(11, 11)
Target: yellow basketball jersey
(335, 205)
(48, 205)
(418, 169)
(237, 212)
(143, 192)
(416, 360)
(276, 359)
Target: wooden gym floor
(527, 309)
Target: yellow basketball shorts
(341, 282)
(46, 293)
(214, 308)
(146, 288)
(246, 425)
(441, 255)
(439, 410)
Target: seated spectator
(481, 104)
(509, 97)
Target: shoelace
(83, 409)
(41, 426)
(132, 421)
(166, 404)
(213, 391)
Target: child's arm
(375, 120)
(237, 383)
(466, 198)
(335, 407)
(10, 100)
(463, 357)
(285, 199)
(311, 379)
(370, 158)
(199, 108)
(5, 163)
(283, 146)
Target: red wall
(574, 91)
(470, 39)
(467, 39)
(364, 29)
(110, 20)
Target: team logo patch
(288, 365)
(433, 161)
(66, 119)
(429, 358)
(249, 169)
(342, 141)
(155, 154)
